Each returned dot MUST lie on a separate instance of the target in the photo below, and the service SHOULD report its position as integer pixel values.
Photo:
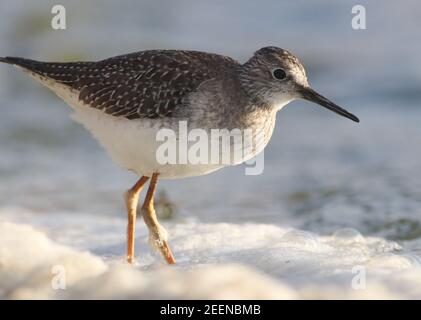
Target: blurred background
(322, 172)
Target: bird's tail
(16, 61)
(63, 72)
(27, 64)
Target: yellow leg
(157, 234)
(131, 198)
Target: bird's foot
(158, 240)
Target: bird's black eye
(279, 74)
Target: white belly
(133, 145)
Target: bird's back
(145, 84)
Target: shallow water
(322, 173)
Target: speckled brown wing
(146, 84)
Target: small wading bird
(123, 101)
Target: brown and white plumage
(126, 100)
(146, 84)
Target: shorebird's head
(275, 77)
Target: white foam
(218, 260)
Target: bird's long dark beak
(311, 95)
